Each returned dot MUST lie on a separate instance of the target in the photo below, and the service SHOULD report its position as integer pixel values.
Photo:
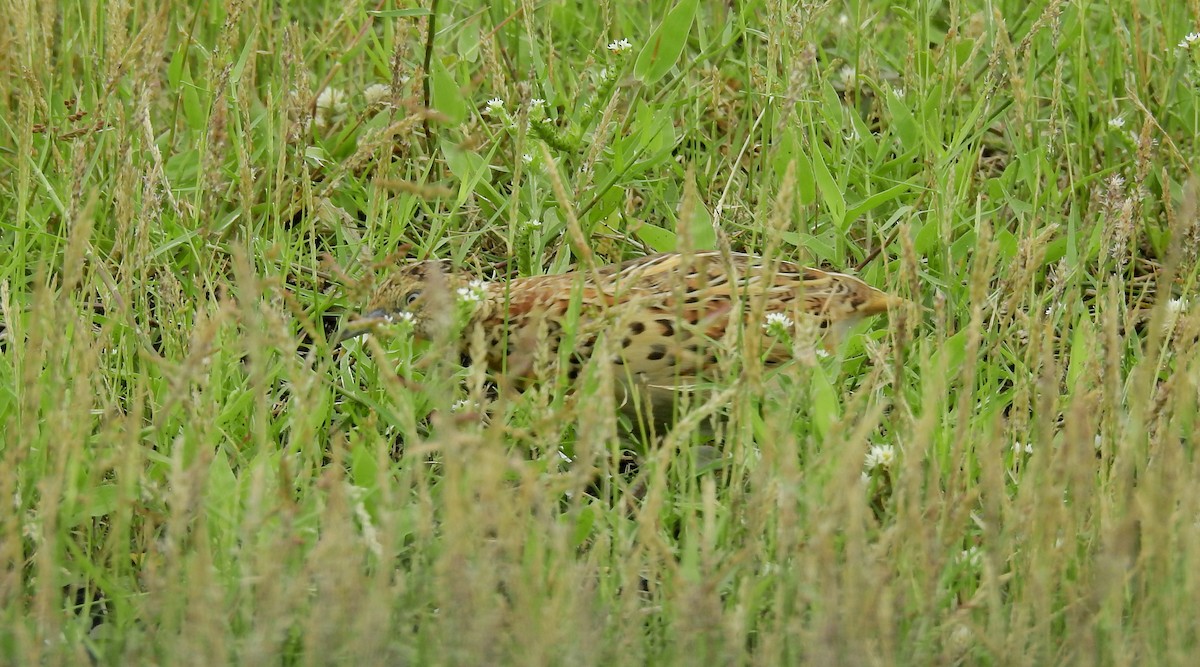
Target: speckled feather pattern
(670, 314)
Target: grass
(193, 196)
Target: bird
(661, 322)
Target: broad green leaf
(704, 236)
(447, 95)
(467, 166)
(876, 200)
(951, 353)
(903, 122)
(831, 193)
(96, 501)
(666, 44)
(825, 409)
(660, 239)
(820, 248)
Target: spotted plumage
(669, 317)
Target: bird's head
(423, 293)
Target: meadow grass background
(194, 195)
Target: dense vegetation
(193, 196)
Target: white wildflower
(332, 100)
(880, 456)
(473, 292)
(495, 106)
(537, 103)
(369, 534)
(377, 93)
(849, 76)
(526, 158)
(1117, 122)
(1021, 447)
(1189, 39)
(402, 317)
(1174, 308)
(330, 107)
(778, 324)
(620, 46)
(970, 556)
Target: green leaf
(584, 525)
(820, 248)
(700, 226)
(96, 501)
(903, 122)
(447, 95)
(666, 44)
(825, 410)
(875, 200)
(831, 194)
(660, 239)
(951, 353)
(468, 166)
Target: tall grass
(195, 195)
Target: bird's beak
(359, 326)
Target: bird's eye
(412, 296)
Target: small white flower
(533, 224)
(473, 292)
(1019, 447)
(377, 93)
(880, 456)
(970, 556)
(620, 46)
(849, 75)
(778, 324)
(822, 352)
(332, 100)
(463, 404)
(369, 534)
(1174, 308)
(843, 20)
(1189, 39)
(331, 106)
(898, 91)
(495, 106)
(537, 103)
(527, 158)
(1116, 123)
